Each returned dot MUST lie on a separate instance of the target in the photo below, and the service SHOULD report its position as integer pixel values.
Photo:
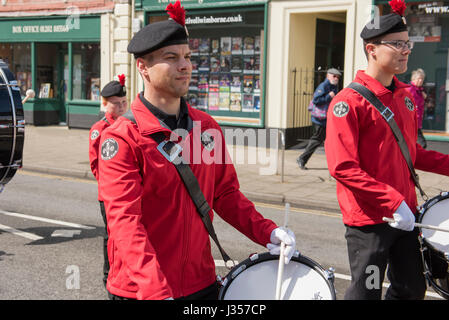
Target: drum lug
(330, 274)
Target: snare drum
(12, 125)
(256, 277)
(435, 244)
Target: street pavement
(59, 150)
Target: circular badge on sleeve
(409, 104)
(94, 135)
(109, 149)
(341, 109)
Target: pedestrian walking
(159, 245)
(373, 178)
(114, 102)
(322, 96)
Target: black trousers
(371, 249)
(105, 245)
(317, 138)
(208, 293)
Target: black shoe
(301, 164)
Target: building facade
(256, 62)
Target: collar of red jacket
(375, 86)
(109, 118)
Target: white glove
(287, 236)
(404, 218)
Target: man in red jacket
(373, 180)
(114, 102)
(158, 245)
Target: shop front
(227, 42)
(428, 26)
(59, 58)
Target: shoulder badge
(341, 109)
(94, 135)
(207, 141)
(409, 104)
(109, 149)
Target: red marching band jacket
(94, 143)
(364, 157)
(158, 246)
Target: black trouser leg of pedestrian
(105, 245)
(370, 250)
(421, 139)
(405, 269)
(317, 138)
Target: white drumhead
(258, 282)
(438, 216)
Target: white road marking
(65, 233)
(52, 221)
(24, 234)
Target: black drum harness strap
(388, 115)
(190, 182)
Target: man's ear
(371, 50)
(141, 66)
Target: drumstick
(29, 94)
(419, 225)
(282, 257)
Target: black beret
(113, 88)
(157, 35)
(390, 23)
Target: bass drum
(435, 244)
(12, 125)
(256, 277)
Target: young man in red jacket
(114, 102)
(158, 245)
(373, 180)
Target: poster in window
(204, 63)
(236, 84)
(214, 83)
(194, 44)
(257, 65)
(215, 44)
(256, 84)
(248, 64)
(214, 100)
(44, 92)
(203, 82)
(256, 103)
(192, 99)
(224, 101)
(204, 46)
(236, 64)
(236, 45)
(95, 89)
(225, 82)
(194, 61)
(236, 102)
(423, 28)
(248, 84)
(248, 103)
(257, 45)
(202, 101)
(193, 86)
(214, 64)
(225, 46)
(225, 63)
(248, 45)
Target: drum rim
(424, 208)
(266, 256)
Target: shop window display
(18, 58)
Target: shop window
(428, 27)
(227, 63)
(18, 58)
(86, 71)
(47, 73)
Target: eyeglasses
(398, 44)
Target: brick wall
(47, 7)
